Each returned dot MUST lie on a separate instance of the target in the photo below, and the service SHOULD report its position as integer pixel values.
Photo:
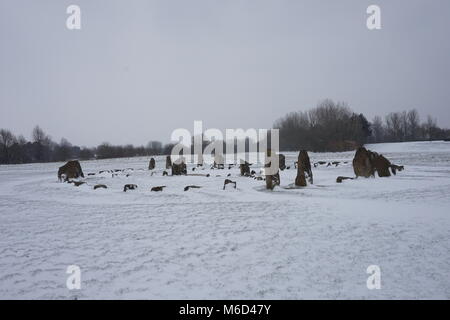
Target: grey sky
(139, 69)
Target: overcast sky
(139, 69)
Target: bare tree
(21, 140)
(63, 151)
(430, 127)
(404, 129)
(377, 129)
(154, 147)
(394, 126)
(413, 124)
(7, 139)
(38, 135)
(42, 145)
(328, 127)
(43, 149)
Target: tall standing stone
(282, 161)
(151, 164)
(245, 168)
(363, 163)
(303, 169)
(168, 162)
(271, 169)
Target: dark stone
(281, 161)
(381, 165)
(340, 179)
(71, 170)
(151, 164)
(272, 174)
(158, 189)
(244, 168)
(191, 187)
(129, 187)
(179, 168)
(228, 181)
(363, 163)
(303, 169)
(168, 162)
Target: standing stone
(71, 170)
(307, 166)
(303, 169)
(151, 164)
(271, 172)
(200, 159)
(179, 167)
(381, 165)
(282, 161)
(363, 163)
(168, 162)
(219, 161)
(245, 168)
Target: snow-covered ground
(248, 243)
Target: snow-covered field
(248, 243)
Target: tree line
(41, 148)
(406, 126)
(332, 126)
(328, 127)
